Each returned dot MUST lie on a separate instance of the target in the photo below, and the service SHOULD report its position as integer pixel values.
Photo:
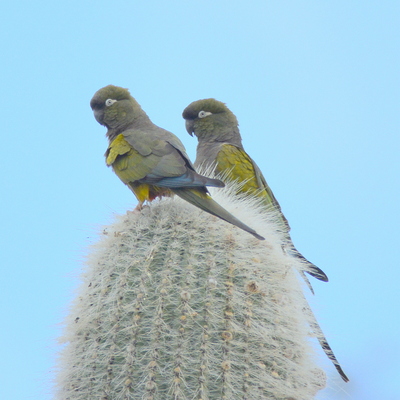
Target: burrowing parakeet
(220, 147)
(150, 160)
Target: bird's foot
(138, 208)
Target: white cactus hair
(178, 304)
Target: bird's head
(208, 118)
(114, 107)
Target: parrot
(220, 148)
(150, 160)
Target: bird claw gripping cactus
(177, 304)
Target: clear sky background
(316, 88)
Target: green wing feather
(127, 162)
(134, 155)
(245, 171)
(162, 158)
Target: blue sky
(316, 88)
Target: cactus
(177, 304)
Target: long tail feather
(324, 343)
(206, 203)
(311, 268)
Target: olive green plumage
(150, 160)
(220, 146)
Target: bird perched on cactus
(150, 160)
(220, 146)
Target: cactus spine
(177, 304)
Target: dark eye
(110, 102)
(203, 114)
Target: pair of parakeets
(153, 163)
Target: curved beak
(189, 126)
(99, 115)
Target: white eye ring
(110, 102)
(203, 114)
